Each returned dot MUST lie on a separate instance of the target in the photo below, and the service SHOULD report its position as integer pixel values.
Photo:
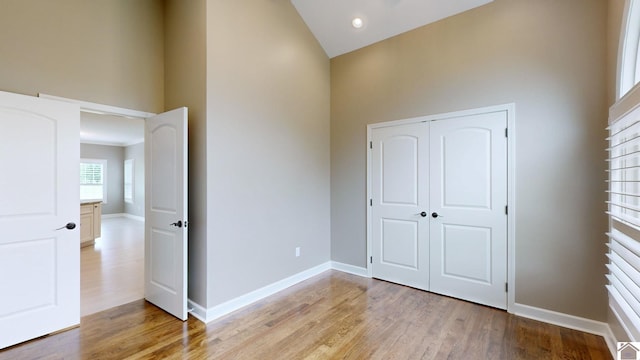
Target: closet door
(399, 180)
(438, 207)
(468, 196)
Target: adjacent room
(390, 178)
(111, 211)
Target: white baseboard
(134, 217)
(111, 216)
(350, 269)
(568, 321)
(208, 315)
(128, 216)
(612, 342)
(197, 311)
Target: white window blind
(624, 212)
(128, 180)
(93, 182)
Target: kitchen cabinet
(90, 222)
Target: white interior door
(39, 194)
(468, 171)
(166, 211)
(400, 248)
(438, 207)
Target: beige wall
(185, 85)
(614, 27)
(259, 160)
(546, 56)
(267, 146)
(104, 51)
(259, 98)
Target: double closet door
(438, 207)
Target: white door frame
(511, 182)
(101, 108)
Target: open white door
(39, 210)
(166, 211)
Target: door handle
(423, 214)
(435, 215)
(69, 226)
(177, 224)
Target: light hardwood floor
(112, 270)
(331, 316)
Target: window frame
(629, 49)
(623, 205)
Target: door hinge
(506, 132)
(506, 287)
(370, 144)
(506, 210)
(370, 202)
(370, 259)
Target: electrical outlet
(297, 251)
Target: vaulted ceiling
(330, 21)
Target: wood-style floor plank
(112, 270)
(331, 316)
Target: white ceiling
(330, 20)
(110, 130)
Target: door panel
(472, 264)
(468, 168)
(163, 265)
(165, 209)
(403, 250)
(399, 170)
(400, 249)
(467, 174)
(39, 193)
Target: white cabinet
(90, 223)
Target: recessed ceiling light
(357, 23)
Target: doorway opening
(112, 238)
(112, 266)
(165, 203)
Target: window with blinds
(128, 180)
(624, 213)
(93, 179)
(624, 180)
